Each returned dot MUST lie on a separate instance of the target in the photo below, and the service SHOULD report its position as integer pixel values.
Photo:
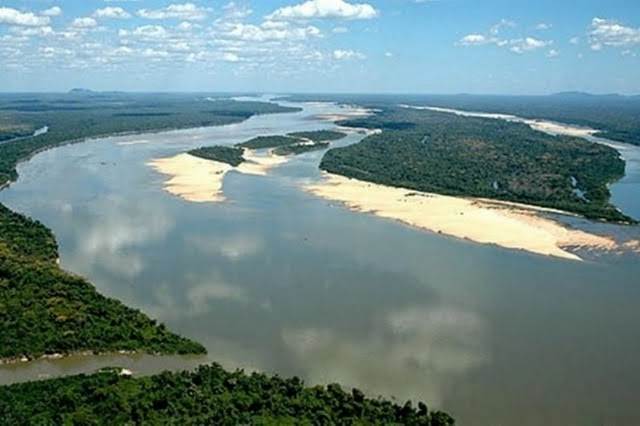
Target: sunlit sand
(507, 225)
(200, 181)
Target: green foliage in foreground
(224, 154)
(300, 148)
(210, 395)
(319, 135)
(262, 142)
(45, 310)
(448, 154)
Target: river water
(277, 280)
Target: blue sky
(414, 46)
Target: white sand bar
(200, 181)
(489, 222)
(192, 178)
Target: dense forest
(300, 148)
(210, 395)
(448, 154)
(224, 154)
(319, 135)
(294, 143)
(43, 309)
(262, 142)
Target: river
(277, 280)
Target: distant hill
(80, 90)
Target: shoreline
(505, 224)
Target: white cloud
(474, 40)
(526, 44)
(340, 54)
(340, 30)
(315, 9)
(111, 13)
(153, 53)
(15, 17)
(553, 53)
(148, 32)
(32, 31)
(542, 26)
(608, 32)
(504, 23)
(184, 11)
(270, 31)
(516, 45)
(574, 40)
(84, 23)
(388, 54)
(52, 11)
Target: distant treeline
(111, 114)
(618, 117)
(208, 396)
(448, 154)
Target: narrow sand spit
(504, 224)
(198, 180)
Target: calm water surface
(279, 281)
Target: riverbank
(508, 225)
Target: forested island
(294, 143)
(210, 395)
(224, 154)
(44, 309)
(319, 135)
(465, 156)
(300, 148)
(262, 142)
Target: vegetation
(449, 154)
(319, 135)
(262, 142)
(210, 395)
(28, 237)
(294, 143)
(224, 154)
(300, 148)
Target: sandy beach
(489, 222)
(200, 181)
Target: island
(209, 395)
(223, 154)
(447, 154)
(294, 143)
(262, 142)
(319, 135)
(300, 148)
